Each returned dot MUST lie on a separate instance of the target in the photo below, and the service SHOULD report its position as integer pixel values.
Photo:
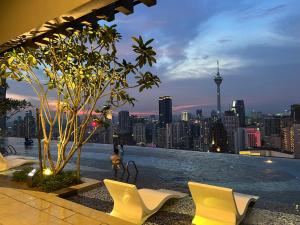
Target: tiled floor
(26, 207)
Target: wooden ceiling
(26, 22)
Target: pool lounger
(14, 161)
(135, 205)
(218, 205)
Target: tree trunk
(78, 165)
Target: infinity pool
(275, 180)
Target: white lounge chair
(135, 205)
(14, 161)
(218, 205)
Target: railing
(9, 150)
(12, 149)
(135, 167)
(126, 169)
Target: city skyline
(255, 42)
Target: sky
(257, 43)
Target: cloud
(214, 38)
(263, 12)
(180, 108)
(21, 96)
(224, 41)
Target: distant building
(181, 137)
(291, 139)
(286, 139)
(252, 138)
(231, 124)
(165, 110)
(272, 126)
(219, 141)
(295, 113)
(239, 140)
(272, 131)
(124, 122)
(296, 140)
(185, 116)
(18, 127)
(199, 114)
(164, 136)
(238, 108)
(139, 133)
(29, 125)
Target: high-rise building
(238, 108)
(291, 139)
(124, 122)
(296, 140)
(219, 141)
(139, 133)
(231, 124)
(185, 116)
(181, 137)
(2, 119)
(164, 136)
(295, 113)
(18, 127)
(218, 80)
(272, 131)
(165, 110)
(29, 124)
(272, 125)
(239, 140)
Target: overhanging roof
(22, 22)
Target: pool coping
(86, 185)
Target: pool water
(275, 180)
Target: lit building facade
(291, 139)
(252, 138)
(185, 116)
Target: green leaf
(10, 60)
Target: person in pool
(115, 159)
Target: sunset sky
(256, 41)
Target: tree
(82, 70)
(10, 107)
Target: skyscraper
(218, 80)
(231, 124)
(139, 133)
(124, 122)
(238, 108)
(165, 110)
(29, 125)
(295, 113)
